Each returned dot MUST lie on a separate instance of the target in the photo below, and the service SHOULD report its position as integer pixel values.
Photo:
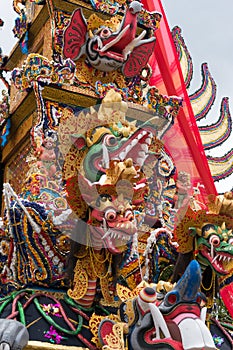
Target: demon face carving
(109, 46)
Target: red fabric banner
(183, 138)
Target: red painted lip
(132, 153)
(193, 310)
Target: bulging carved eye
(172, 298)
(110, 140)
(105, 33)
(129, 215)
(110, 214)
(214, 240)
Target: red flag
(183, 139)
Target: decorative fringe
(8, 192)
(151, 241)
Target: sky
(207, 29)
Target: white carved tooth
(215, 258)
(122, 155)
(144, 147)
(107, 233)
(148, 140)
(105, 227)
(133, 43)
(206, 335)
(134, 142)
(159, 322)
(195, 335)
(141, 154)
(105, 157)
(203, 314)
(128, 148)
(140, 161)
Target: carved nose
(149, 291)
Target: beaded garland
(183, 54)
(36, 257)
(222, 135)
(208, 88)
(37, 250)
(39, 68)
(202, 100)
(4, 107)
(147, 19)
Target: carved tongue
(125, 35)
(131, 20)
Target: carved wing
(75, 36)
(138, 58)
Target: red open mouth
(136, 147)
(217, 262)
(117, 56)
